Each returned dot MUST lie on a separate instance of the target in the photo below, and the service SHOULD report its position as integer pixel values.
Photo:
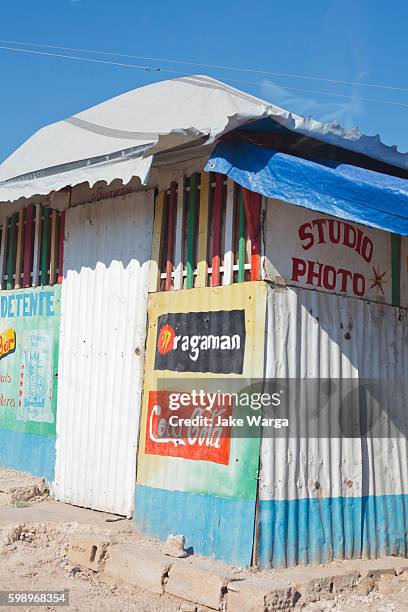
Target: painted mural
(309, 249)
(29, 333)
(200, 471)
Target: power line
(174, 72)
(213, 66)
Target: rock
(143, 568)
(196, 584)
(87, 551)
(365, 586)
(260, 594)
(10, 534)
(174, 546)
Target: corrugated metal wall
(103, 328)
(328, 497)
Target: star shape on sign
(378, 280)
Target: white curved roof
(118, 138)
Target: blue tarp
(341, 190)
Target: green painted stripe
(191, 230)
(11, 250)
(44, 246)
(395, 269)
(242, 241)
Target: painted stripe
(202, 245)
(28, 246)
(61, 238)
(28, 452)
(229, 235)
(171, 221)
(217, 222)
(242, 239)
(315, 530)
(154, 281)
(191, 230)
(53, 247)
(3, 253)
(11, 248)
(178, 248)
(45, 247)
(395, 269)
(19, 250)
(37, 244)
(252, 204)
(214, 526)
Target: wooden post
(44, 247)
(229, 236)
(61, 238)
(28, 247)
(252, 204)
(178, 247)
(242, 239)
(53, 248)
(154, 283)
(37, 244)
(191, 231)
(19, 250)
(172, 205)
(11, 248)
(217, 223)
(202, 244)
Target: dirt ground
(36, 559)
(38, 562)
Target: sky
(342, 40)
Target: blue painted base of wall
(28, 453)
(214, 526)
(317, 530)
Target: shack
(185, 233)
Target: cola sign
(316, 251)
(191, 431)
(201, 342)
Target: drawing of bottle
(36, 404)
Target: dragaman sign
(316, 251)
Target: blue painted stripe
(214, 526)
(316, 530)
(28, 453)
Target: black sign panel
(201, 342)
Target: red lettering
(320, 223)
(312, 274)
(305, 235)
(347, 241)
(329, 278)
(367, 249)
(334, 237)
(358, 284)
(298, 268)
(345, 275)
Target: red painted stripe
(217, 223)
(252, 204)
(61, 248)
(28, 246)
(170, 233)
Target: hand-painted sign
(312, 250)
(7, 342)
(29, 333)
(190, 432)
(201, 342)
